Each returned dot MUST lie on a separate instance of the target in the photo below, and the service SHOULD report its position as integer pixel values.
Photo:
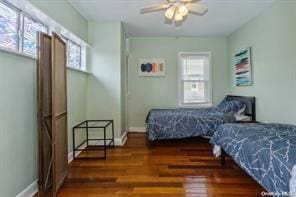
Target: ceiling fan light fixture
(170, 12)
(177, 10)
(178, 16)
(183, 10)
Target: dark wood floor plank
(170, 168)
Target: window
(9, 26)
(195, 79)
(73, 54)
(18, 32)
(31, 28)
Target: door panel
(44, 114)
(59, 110)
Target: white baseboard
(30, 191)
(137, 129)
(121, 141)
(124, 138)
(117, 141)
(70, 155)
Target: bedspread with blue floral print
(184, 123)
(267, 152)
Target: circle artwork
(152, 67)
(146, 67)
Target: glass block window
(31, 28)
(18, 34)
(9, 25)
(74, 55)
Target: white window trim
(180, 88)
(17, 53)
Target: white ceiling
(223, 17)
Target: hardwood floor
(166, 168)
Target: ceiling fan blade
(154, 8)
(189, 1)
(198, 9)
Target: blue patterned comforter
(183, 123)
(267, 152)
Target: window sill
(10, 51)
(77, 70)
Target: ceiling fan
(176, 10)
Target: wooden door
(59, 112)
(44, 114)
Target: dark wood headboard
(250, 102)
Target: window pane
(74, 55)
(193, 68)
(195, 79)
(194, 92)
(30, 35)
(8, 27)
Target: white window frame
(26, 8)
(180, 84)
(21, 30)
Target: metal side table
(100, 127)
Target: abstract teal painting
(243, 67)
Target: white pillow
(241, 111)
(242, 118)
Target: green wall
(63, 12)
(18, 111)
(76, 87)
(272, 37)
(18, 126)
(146, 93)
(104, 99)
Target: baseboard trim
(30, 191)
(70, 155)
(117, 141)
(121, 141)
(124, 138)
(137, 129)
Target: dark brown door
(44, 82)
(59, 111)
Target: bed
(267, 152)
(184, 123)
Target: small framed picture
(152, 67)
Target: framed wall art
(152, 67)
(243, 67)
